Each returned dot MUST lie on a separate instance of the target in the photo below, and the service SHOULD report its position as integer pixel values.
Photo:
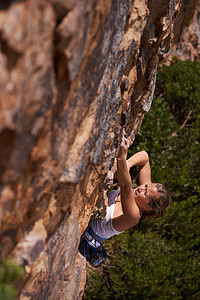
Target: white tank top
(104, 228)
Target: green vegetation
(162, 261)
(9, 277)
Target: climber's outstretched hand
(122, 154)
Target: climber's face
(144, 194)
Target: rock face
(74, 75)
(187, 31)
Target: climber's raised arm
(122, 166)
(141, 159)
(131, 213)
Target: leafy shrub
(9, 276)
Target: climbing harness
(94, 255)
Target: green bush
(9, 276)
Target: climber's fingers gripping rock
(122, 154)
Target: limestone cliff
(187, 31)
(74, 74)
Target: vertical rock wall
(187, 31)
(74, 74)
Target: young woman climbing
(127, 206)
